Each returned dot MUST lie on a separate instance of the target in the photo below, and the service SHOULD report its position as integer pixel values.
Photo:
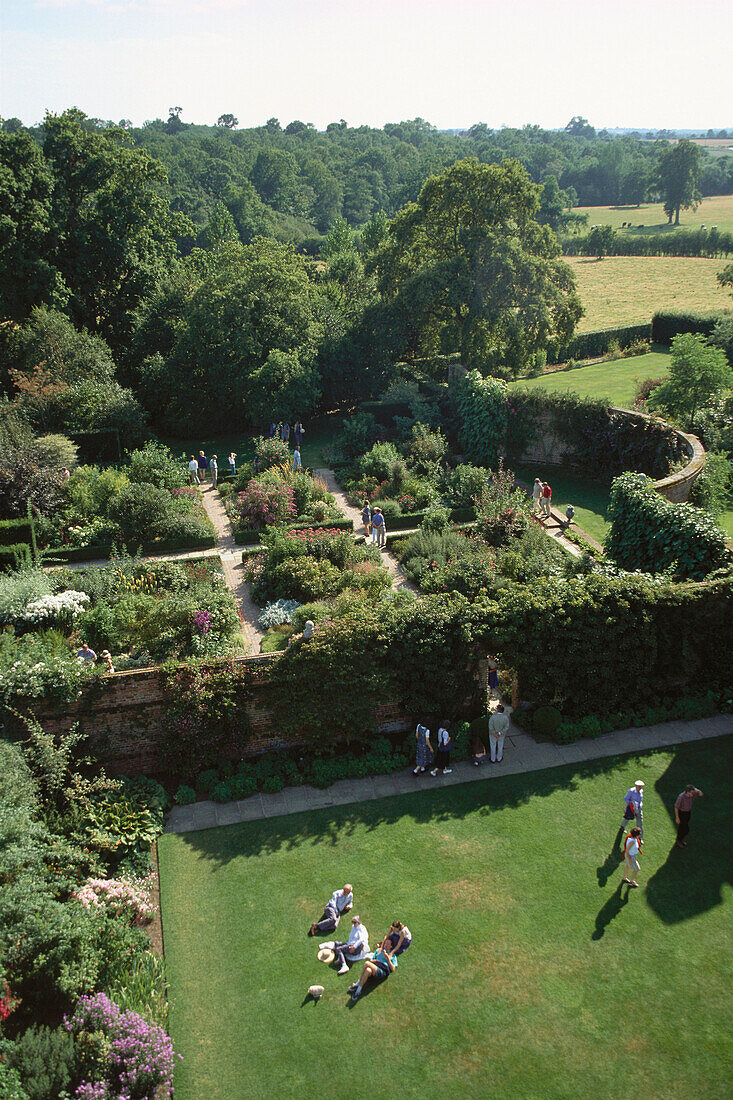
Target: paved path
(399, 577)
(231, 560)
(521, 754)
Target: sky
(646, 63)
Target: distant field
(716, 210)
(615, 382)
(627, 290)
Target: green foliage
(154, 464)
(20, 588)
(546, 720)
(591, 345)
(483, 414)
(379, 462)
(650, 534)
(713, 487)
(45, 1059)
(697, 373)
(667, 324)
(57, 450)
(141, 512)
(184, 795)
(502, 512)
(465, 483)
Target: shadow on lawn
(334, 823)
(618, 899)
(690, 881)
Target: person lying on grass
(379, 968)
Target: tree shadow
(612, 860)
(618, 899)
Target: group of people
(378, 964)
(374, 524)
(542, 503)
(425, 755)
(634, 839)
(198, 468)
(281, 430)
(87, 656)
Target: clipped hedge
(14, 555)
(666, 324)
(590, 345)
(683, 242)
(14, 531)
(105, 550)
(413, 519)
(650, 534)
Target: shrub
(437, 518)
(142, 512)
(57, 451)
(546, 720)
(650, 534)
(265, 505)
(45, 1060)
(464, 484)
(21, 588)
(644, 389)
(357, 435)
(483, 414)
(271, 452)
(380, 461)
(184, 795)
(277, 613)
(272, 784)
(391, 509)
(154, 464)
(222, 792)
(713, 487)
(666, 324)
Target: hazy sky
(648, 63)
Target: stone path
(399, 577)
(231, 560)
(521, 754)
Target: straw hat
(326, 955)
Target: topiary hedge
(650, 534)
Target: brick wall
(124, 712)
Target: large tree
(678, 171)
(477, 270)
(697, 373)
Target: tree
(600, 239)
(228, 120)
(725, 277)
(580, 127)
(273, 126)
(697, 373)
(678, 171)
(476, 270)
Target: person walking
(547, 499)
(498, 726)
(536, 496)
(569, 518)
(442, 758)
(632, 851)
(273, 430)
(193, 470)
(682, 811)
(366, 518)
(423, 751)
(296, 460)
(214, 467)
(232, 460)
(633, 801)
(379, 528)
(286, 432)
(298, 432)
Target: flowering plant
(118, 896)
(264, 505)
(67, 605)
(202, 622)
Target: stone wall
(124, 711)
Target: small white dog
(315, 991)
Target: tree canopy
(679, 167)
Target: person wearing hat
(632, 851)
(357, 947)
(340, 902)
(633, 800)
(108, 662)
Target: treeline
(683, 242)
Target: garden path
(231, 561)
(399, 577)
(522, 754)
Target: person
(366, 518)
(379, 967)
(296, 460)
(286, 432)
(298, 433)
(357, 947)
(682, 811)
(498, 726)
(379, 529)
(397, 940)
(536, 496)
(65, 475)
(86, 655)
(442, 758)
(569, 517)
(340, 902)
(424, 750)
(547, 499)
(203, 464)
(232, 463)
(193, 471)
(107, 658)
(478, 751)
(214, 467)
(273, 430)
(493, 677)
(632, 851)
(633, 801)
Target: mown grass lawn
(715, 210)
(613, 381)
(588, 497)
(531, 974)
(628, 290)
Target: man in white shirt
(193, 471)
(498, 726)
(341, 902)
(356, 949)
(633, 800)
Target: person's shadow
(618, 899)
(611, 862)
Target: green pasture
(532, 973)
(613, 381)
(715, 210)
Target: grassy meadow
(715, 210)
(628, 290)
(614, 381)
(532, 972)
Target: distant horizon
(452, 62)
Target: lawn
(614, 381)
(715, 210)
(588, 497)
(532, 973)
(628, 290)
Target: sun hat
(638, 782)
(326, 955)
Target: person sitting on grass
(379, 967)
(340, 902)
(397, 940)
(357, 947)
